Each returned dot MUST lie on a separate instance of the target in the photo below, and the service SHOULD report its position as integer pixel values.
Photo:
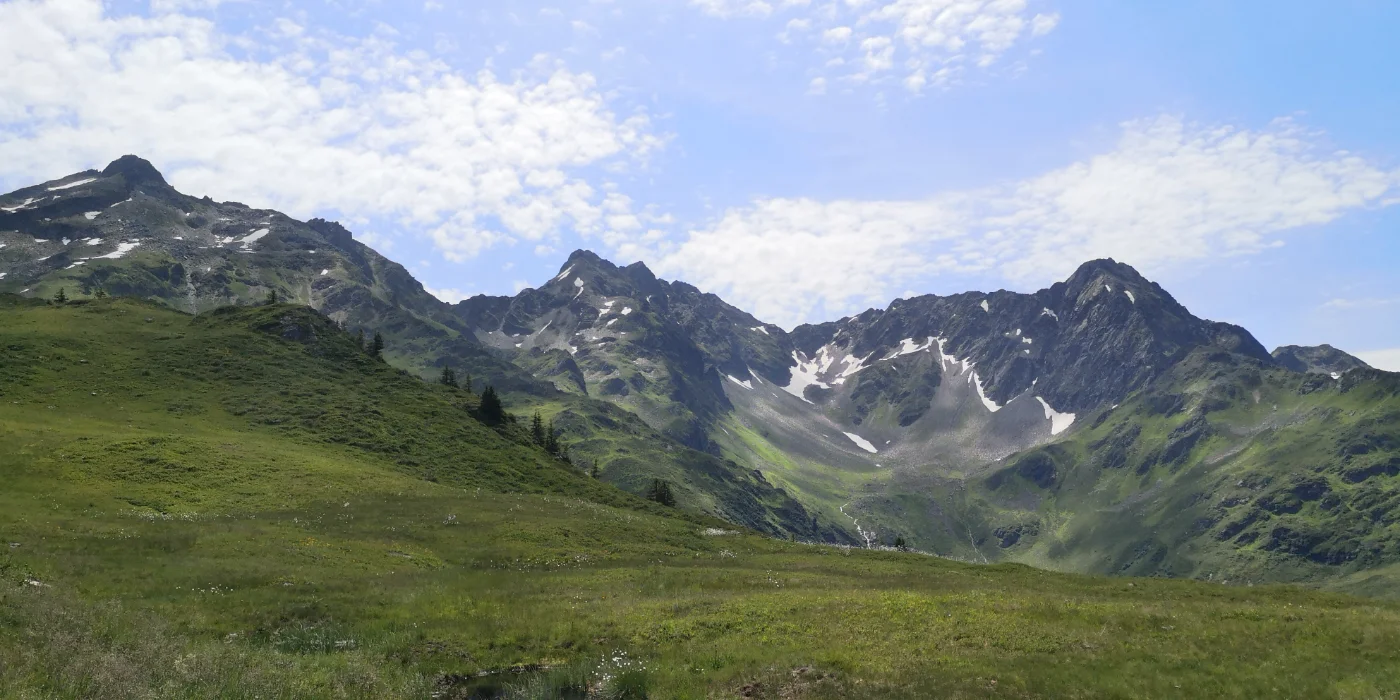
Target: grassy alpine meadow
(247, 505)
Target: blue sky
(804, 159)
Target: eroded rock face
(1082, 343)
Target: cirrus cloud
(922, 42)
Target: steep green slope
(1224, 469)
(245, 505)
(126, 232)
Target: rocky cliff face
(1082, 343)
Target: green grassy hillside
(1225, 469)
(246, 505)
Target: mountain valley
(303, 509)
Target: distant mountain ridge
(954, 422)
(1319, 359)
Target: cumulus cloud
(312, 124)
(918, 42)
(451, 296)
(1170, 192)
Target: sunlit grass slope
(245, 505)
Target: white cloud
(451, 296)
(1369, 303)
(918, 42)
(734, 8)
(1044, 24)
(314, 124)
(1169, 193)
(1388, 360)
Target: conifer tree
(100, 293)
(271, 297)
(449, 377)
(467, 383)
(376, 346)
(661, 493)
(594, 471)
(61, 297)
(551, 440)
(491, 410)
(537, 429)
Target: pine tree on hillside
(449, 377)
(360, 339)
(376, 346)
(491, 410)
(271, 297)
(537, 429)
(100, 293)
(61, 297)
(467, 383)
(661, 493)
(551, 440)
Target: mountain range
(1095, 426)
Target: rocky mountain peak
(1318, 359)
(136, 171)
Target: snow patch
(908, 347)
(72, 184)
(325, 272)
(986, 307)
(121, 251)
(1027, 341)
(1051, 314)
(1108, 288)
(1059, 422)
(626, 310)
(2, 275)
(760, 329)
(1336, 375)
(91, 215)
(578, 282)
(612, 321)
(852, 365)
(80, 262)
(563, 274)
(807, 373)
(1131, 297)
(982, 394)
(745, 384)
(24, 205)
(254, 237)
(862, 443)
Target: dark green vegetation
(246, 504)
